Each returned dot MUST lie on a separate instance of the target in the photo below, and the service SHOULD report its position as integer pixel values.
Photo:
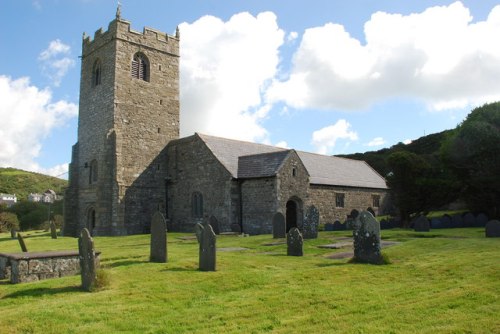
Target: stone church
(129, 161)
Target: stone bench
(35, 266)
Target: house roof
(264, 160)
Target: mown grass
(445, 282)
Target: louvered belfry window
(140, 67)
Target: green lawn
(443, 281)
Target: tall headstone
(294, 243)
(279, 226)
(215, 224)
(13, 233)
(158, 252)
(53, 230)
(492, 229)
(87, 260)
(21, 243)
(366, 235)
(421, 224)
(207, 239)
(311, 223)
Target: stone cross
(421, 224)
(311, 223)
(206, 238)
(366, 235)
(87, 260)
(279, 226)
(53, 230)
(21, 243)
(492, 229)
(294, 242)
(158, 251)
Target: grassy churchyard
(442, 281)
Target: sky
(324, 76)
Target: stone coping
(42, 255)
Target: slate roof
(323, 169)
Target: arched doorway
(291, 215)
(91, 220)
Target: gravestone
(294, 242)
(21, 243)
(311, 223)
(421, 224)
(445, 221)
(354, 214)
(235, 227)
(370, 210)
(87, 260)
(456, 221)
(329, 227)
(158, 247)
(13, 233)
(366, 236)
(53, 230)
(384, 224)
(481, 220)
(338, 226)
(492, 229)
(207, 239)
(436, 223)
(469, 220)
(279, 226)
(215, 224)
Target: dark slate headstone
(158, 247)
(87, 260)
(366, 235)
(53, 230)
(354, 214)
(481, 220)
(21, 243)
(436, 223)
(445, 221)
(207, 240)
(294, 242)
(421, 224)
(311, 223)
(349, 223)
(330, 227)
(370, 210)
(235, 227)
(13, 233)
(279, 226)
(456, 221)
(469, 219)
(338, 226)
(492, 229)
(215, 224)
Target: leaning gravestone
(294, 242)
(215, 224)
(311, 223)
(13, 233)
(21, 243)
(492, 229)
(87, 260)
(158, 252)
(53, 230)
(421, 224)
(207, 254)
(279, 226)
(367, 239)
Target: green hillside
(22, 183)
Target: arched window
(140, 67)
(197, 205)
(96, 73)
(93, 174)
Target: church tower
(129, 111)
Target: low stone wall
(29, 267)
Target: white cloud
(325, 139)
(55, 61)
(27, 116)
(407, 141)
(438, 56)
(282, 144)
(292, 36)
(225, 66)
(378, 141)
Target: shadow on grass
(179, 269)
(333, 264)
(36, 292)
(122, 263)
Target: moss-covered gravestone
(207, 240)
(53, 230)
(87, 260)
(21, 243)
(294, 242)
(158, 252)
(311, 223)
(279, 226)
(421, 224)
(366, 236)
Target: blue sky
(324, 76)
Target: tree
(8, 221)
(473, 154)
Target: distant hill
(428, 147)
(22, 183)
